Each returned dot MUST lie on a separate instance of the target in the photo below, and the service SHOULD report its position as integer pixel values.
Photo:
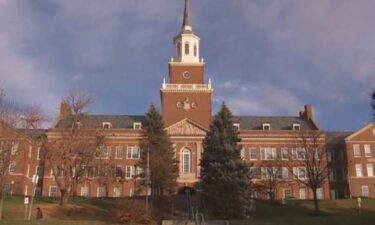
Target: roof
(276, 122)
(32, 133)
(186, 21)
(336, 137)
(96, 121)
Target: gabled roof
(96, 121)
(32, 133)
(276, 122)
(359, 131)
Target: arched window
(178, 48)
(186, 161)
(195, 50)
(187, 50)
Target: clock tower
(187, 95)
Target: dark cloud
(265, 57)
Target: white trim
(358, 132)
(49, 191)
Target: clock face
(186, 75)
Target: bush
(133, 212)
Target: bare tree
(310, 166)
(12, 117)
(71, 151)
(271, 177)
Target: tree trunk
(316, 202)
(1, 204)
(64, 199)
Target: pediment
(186, 127)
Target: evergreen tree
(162, 161)
(225, 176)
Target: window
(319, 193)
(253, 153)
(52, 191)
(40, 171)
(329, 156)
(302, 193)
(85, 191)
(266, 126)
(130, 172)
(285, 173)
(253, 172)
(268, 153)
(242, 153)
(101, 192)
(370, 170)
(368, 152)
(107, 125)
(137, 126)
(358, 170)
(365, 191)
(119, 152)
(287, 193)
(40, 154)
(12, 167)
(133, 152)
(296, 126)
(300, 172)
(332, 175)
(116, 192)
(357, 151)
(269, 172)
(299, 154)
(195, 50)
(15, 148)
(284, 154)
(118, 171)
(187, 50)
(236, 126)
(186, 161)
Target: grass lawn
(86, 211)
(339, 212)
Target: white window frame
(253, 150)
(289, 195)
(268, 153)
(15, 148)
(85, 191)
(50, 191)
(283, 150)
(367, 149)
(116, 192)
(242, 153)
(299, 154)
(370, 169)
(297, 173)
(266, 126)
(358, 170)
(285, 173)
(12, 167)
(357, 151)
(236, 126)
(365, 191)
(296, 126)
(302, 193)
(119, 152)
(129, 172)
(320, 193)
(106, 125)
(186, 168)
(253, 172)
(133, 152)
(137, 126)
(99, 191)
(120, 167)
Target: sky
(265, 57)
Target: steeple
(186, 42)
(186, 25)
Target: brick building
(186, 106)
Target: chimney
(64, 110)
(308, 113)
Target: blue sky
(264, 57)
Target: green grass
(342, 212)
(91, 211)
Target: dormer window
(296, 126)
(236, 126)
(107, 125)
(137, 126)
(266, 126)
(78, 125)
